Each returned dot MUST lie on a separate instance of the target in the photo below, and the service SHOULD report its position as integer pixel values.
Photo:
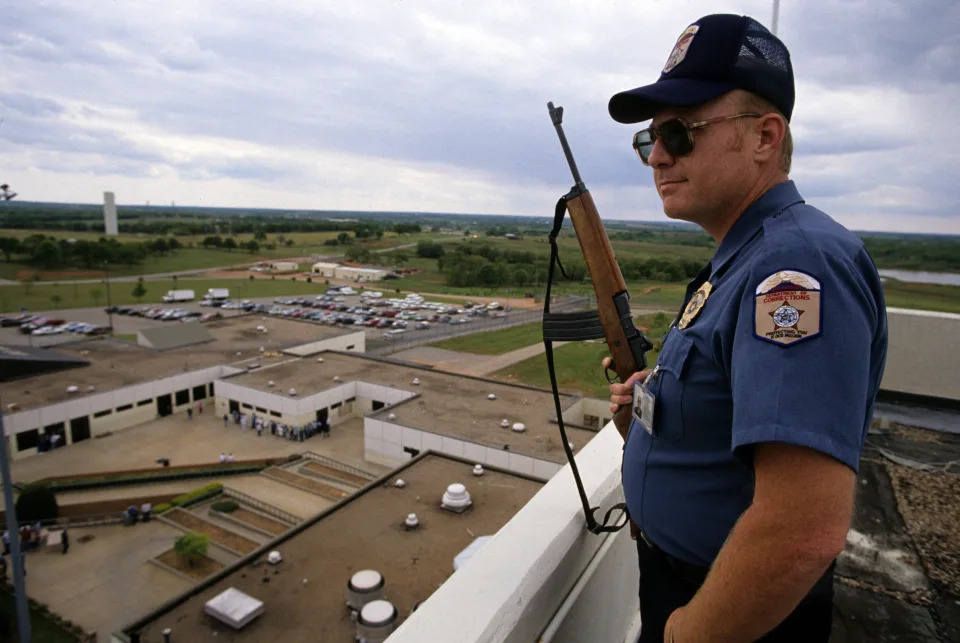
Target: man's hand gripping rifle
(612, 319)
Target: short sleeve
(801, 370)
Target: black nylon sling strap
(564, 326)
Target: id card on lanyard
(644, 402)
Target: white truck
(178, 295)
(217, 294)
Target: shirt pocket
(668, 386)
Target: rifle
(612, 319)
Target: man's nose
(659, 156)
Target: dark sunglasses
(676, 135)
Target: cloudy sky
(440, 105)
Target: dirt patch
(199, 570)
(218, 534)
(313, 486)
(259, 521)
(54, 275)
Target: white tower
(109, 214)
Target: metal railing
(260, 505)
(339, 466)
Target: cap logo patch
(787, 308)
(680, 49)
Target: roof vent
(262, 349)
(491, 397)
(234, 608)
(274, 557)
(262, 328)
(271, 383)
(377, 621)
(239, 353)
(336, 378)
(478, 469)
(72, 389)
(319, 360)
(505, 423)
(392, 416)
(292, 392)
(416, 381)
(519, 427)
(399, 484)
(91, 388)
(363, 587)
(456, 498)
(13, 406)
(412, 522)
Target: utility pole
(13, 534)
(106, 280)
(776, 17)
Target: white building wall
(924, 353)
(109, 214)
(353, 342)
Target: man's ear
(771, 130)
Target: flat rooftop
(305, 596)
(448, 404)
(117, 363)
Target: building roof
(164, 338)
(306, 593)
(114, 363)
(444, 403)
(24, 361)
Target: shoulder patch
(787, 308)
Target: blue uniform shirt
(788, 346)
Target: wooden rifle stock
(625, 342)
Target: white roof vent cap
(336, 378)
(319, 360)
(478, 469)
(392, 416)
(91, 387)
(456, 498)
(412, 522)
(72, 389)
(505, 423)
(491, 397)
(292, 392)
(271, 383)
(274, 557)
(262, 349)
(377, 621)
(416, 381)
(399, 484)
(519, 427)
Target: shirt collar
(772, 202)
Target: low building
(324, 269)
(283, 266)
(360, 274)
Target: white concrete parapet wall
(924, 354)
(543, 574)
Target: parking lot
(387, 322)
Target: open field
(494, 342)
(577, 364)
(937, 297)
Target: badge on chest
(695, 305)
(644, 403)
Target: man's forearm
(760, 575)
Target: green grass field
(45, 296)
(494, 342)
(937, 297)
(578, 363)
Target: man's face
(706, 186)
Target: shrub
(163, 506)
(192, 547)
(37, 502)
(191, 496)
(225, 506)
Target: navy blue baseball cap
(714, 55)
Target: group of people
(291, 432)
(131, 514)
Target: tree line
(53, 253)
(481, 264)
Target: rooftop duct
(377, 621)
(234, 608)
(412, 522)
(456, 498)
(478, 469)
(519, 427)
(363, 587)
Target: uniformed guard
(740, 464)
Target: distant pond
(921, 277)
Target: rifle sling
(569, 327)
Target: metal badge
(695, 305)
